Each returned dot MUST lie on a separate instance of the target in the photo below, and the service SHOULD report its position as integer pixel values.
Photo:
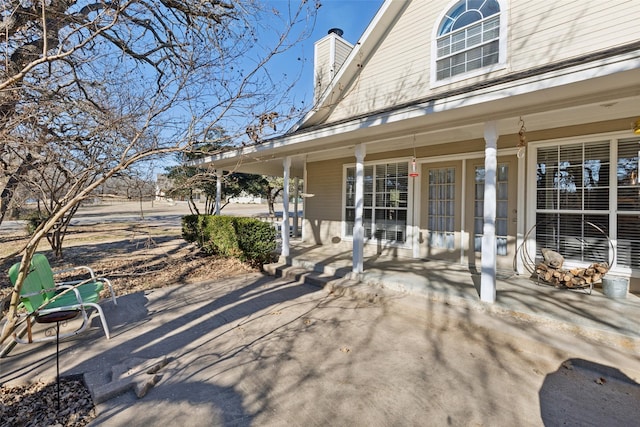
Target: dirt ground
(135, 255)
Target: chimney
(330, 52)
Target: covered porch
(473, 134)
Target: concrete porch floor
(595, 317)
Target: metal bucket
(615, 287)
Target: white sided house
(454, 127)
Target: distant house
(245, 198)
(452, 128)
(165, 187)
(163, 184)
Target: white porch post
(284, 229)
(296, 194)
(218, 190)
(358, 227)
(488, 259)
(520, 212)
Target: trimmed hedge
(247, 239)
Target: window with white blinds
(572, 203)
(385, 201)
(628, 217)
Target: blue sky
(352, 16)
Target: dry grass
(134, 256)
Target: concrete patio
(409, 344)
(613, 322)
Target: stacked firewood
(550, 270)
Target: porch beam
(358, 226)
(489, 250)
(284, 228)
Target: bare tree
(90, 89)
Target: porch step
(330, 280)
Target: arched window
(468, 38)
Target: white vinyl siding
(399, 70)
(568, 29)
(342, 51)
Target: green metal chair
(41, 295)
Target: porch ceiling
(547, 106)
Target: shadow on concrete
(581, 392)
(184, 323)
(195, 403)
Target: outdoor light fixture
(636, 127)
(522, 143)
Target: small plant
(33, 221)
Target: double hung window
(628, 199)
(385, 201)
(502, 211)
(572, 200)
(468, 38)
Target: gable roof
(379, 26)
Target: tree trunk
(141, 210)
(12, 184)
(192, 204)
(271, 201)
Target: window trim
(502, 48)
(475, 234)
(532, 154)
(408, 241)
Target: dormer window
(468, 38)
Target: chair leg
(108, 283)
(103, 319)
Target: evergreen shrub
(247, 239)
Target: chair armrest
(86, 268)
(93, 278)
